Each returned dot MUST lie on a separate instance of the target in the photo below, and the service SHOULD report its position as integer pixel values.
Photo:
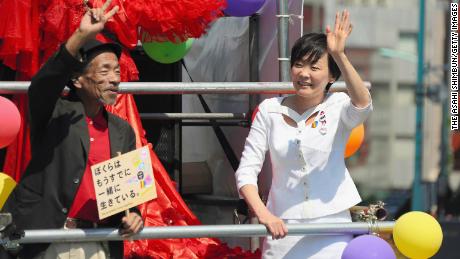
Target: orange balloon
(354, 141)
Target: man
(68, 135)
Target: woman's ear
(332, 79)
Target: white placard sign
(123, 182)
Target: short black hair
(314, 45)
(93, 47)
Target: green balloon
(167, 52)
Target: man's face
(100, 79)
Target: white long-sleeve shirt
(309, 175)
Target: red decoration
(175, 20)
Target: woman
(306, 134)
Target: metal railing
(193, 116)
(17, 87)
(106, 234)
(20, 87)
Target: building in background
(383, 48)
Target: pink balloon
(10, 121)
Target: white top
(309, 175)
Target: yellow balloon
(417, 235)
(7, 184)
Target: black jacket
(60, 144)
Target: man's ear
(77, 82)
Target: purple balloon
(368, 247)
(241, 8)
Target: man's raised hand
(94, 19)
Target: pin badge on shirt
(323, 130)
(322, 116)
(322, 120)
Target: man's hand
(91, 24)
(131, 224)
(94, 19)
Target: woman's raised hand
(336, 38)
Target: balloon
(354, 141)
(11, 121)
(417, 235)
(241, 8)
(368, 247)
(7, 184)
(167, 52)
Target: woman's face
(310, 79)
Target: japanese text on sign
(123, 182)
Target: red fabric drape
(19, 21)
(31, 30)
(168, 209)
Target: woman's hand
(335, 46)
(337, 37)
(274, 225)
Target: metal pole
(283, 40)
(442, 183)
(105, 234)
(254, 100)
(193, 116)
(18, 87)
(243, 124)
(418, 196)
(254, 243)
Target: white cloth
(75, 250)
(309, 246)
(310, 179)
